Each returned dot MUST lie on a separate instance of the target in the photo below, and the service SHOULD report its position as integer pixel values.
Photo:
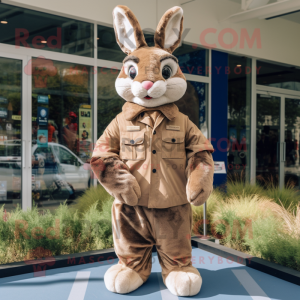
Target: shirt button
(154, 170)
(173, 140)
(154, 132)
(132, 142)
(154, 151)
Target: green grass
(272, 244)
(91, 196)
(86, 227)
(272, 230)
(289, 196)
(215, 199)
(240, 188)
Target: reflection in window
(66, 157)
(239, 99)
(192, 60)
(194, 104)
(279, 76)
(32, 29)
(62, 97)
(108, 48)
(109, 102)
(10, 132)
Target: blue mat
(222, 279)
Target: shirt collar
(132, 110)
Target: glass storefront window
(109, 102)
(10, 132)
(62, 134)
(36, 30)
(279, 76)
(194, 104)
(108, 49)
(292, 137)
(239, 104)
(267, 139)
(193, 60)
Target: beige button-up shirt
(156, 154)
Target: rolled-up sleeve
(108, 145)
(195, 141)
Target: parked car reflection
(57, 173)
(10, 170)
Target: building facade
(58, 67)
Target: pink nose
(147, 85)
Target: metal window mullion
(208, 133)
(196, 78)
(26, 137)
(253, 124)
(58, 56)
(281, 140)
(95, 98)
(209, 95)
(275, 90)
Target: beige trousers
(136, 229)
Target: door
(12, 137)
(292, 136)
(277, 139)
(268, 139)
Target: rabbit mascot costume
(153, 160)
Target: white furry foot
(184, 283)
(122, 280)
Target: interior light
(97, 38)
(4, 22)
(44, 42)
(238, 66)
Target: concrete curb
(62, 261)
(253, 262)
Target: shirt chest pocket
(173, 145)
(132, 145)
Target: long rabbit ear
(129, 34)
(169, 29)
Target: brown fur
(138, 228)
(200, 172)
(138, 33)
(159, 37)
(115, 177)
(132, 110)
(149, 65)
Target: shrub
(234, 214)
(71, 232)
(237, 186)
(97, 230)
(272, 244)
(215, 199)
(289, 196)
(91, 196)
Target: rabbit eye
(166, 72)
(132, 72)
